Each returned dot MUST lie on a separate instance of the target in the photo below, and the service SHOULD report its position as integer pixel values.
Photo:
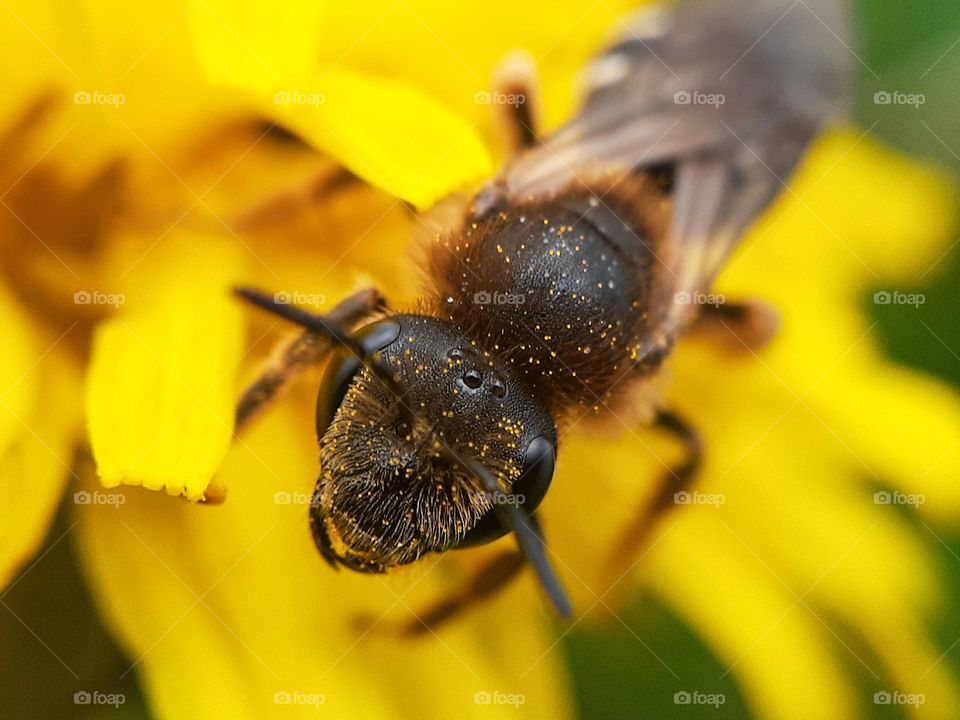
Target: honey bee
(570, 278)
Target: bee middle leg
(303, 351)
(675, 480)
(742, 326)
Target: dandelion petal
(161, 386)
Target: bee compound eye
(472, 379)
(538, 464)
(342, 368)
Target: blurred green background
(908, 47)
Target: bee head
(393, 485)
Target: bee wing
(728, 93)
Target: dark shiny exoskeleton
(533, 311)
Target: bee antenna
(335, 332)
(527, 532)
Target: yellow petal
(390, 134)
(18, 385)
(903, 212)
(255, 46)
(161, 388)
(450, 52)
(136, 94)
(902, 429)
(39, 423)
(895, 426)
(408, 122)
(225, 607)
(749, 618)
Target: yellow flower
(133, 206)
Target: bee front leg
(743, 326)
(674, 480)
(305, 350)
(487, 581)
(484, 583)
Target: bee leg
(305, 350)
(516, 108)
(486, 582)
(743, 326)
(674, 480)
(289, 202)
(516, 101)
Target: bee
(568, 280)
